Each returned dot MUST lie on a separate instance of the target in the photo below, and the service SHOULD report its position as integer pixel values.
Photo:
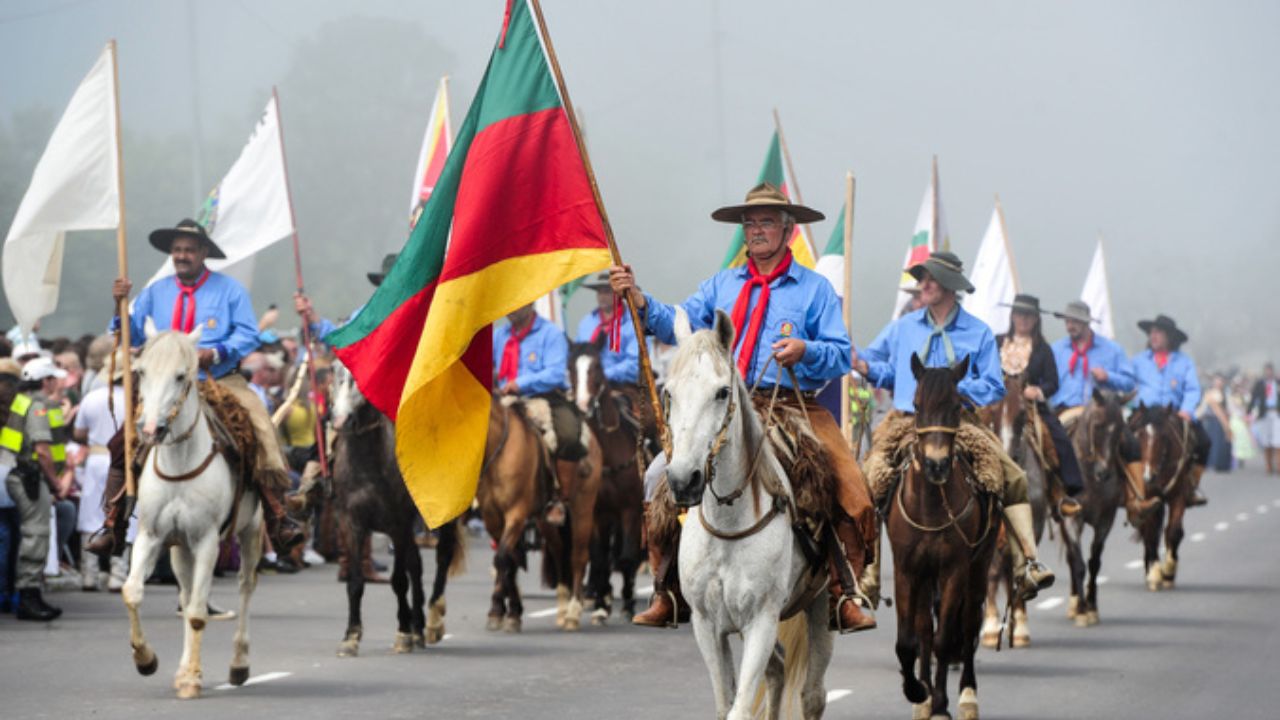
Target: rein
(953, 518)
(183, 437)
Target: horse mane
(936, 393)
(698, 345)
(170, 349)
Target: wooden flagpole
(1009, 249)
(795, 182)
(646, 368)
(122, 309)
(307, 340)
(935, 222)
(846, 383)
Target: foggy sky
(1150, 123)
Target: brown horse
(516, 482)
(1166, 443)
(942, 531)
(1017, 430)
(370, 495)
(619, 511)
(1096, 436)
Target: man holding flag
(621, 365)
(787, 319)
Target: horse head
(1153, 425)
(167, 372)
(938, 406)
(586, 373)
(704, 402)
(1103, 425)
(347, 398)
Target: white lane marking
(1134, 565)
(446, 636)
(1102, 579)
(838, 694)
(266, 677)
(1221, 526)
(1261, 509)
(543, 613)
(1049, 603)
(1241, 517)
(1198, 537)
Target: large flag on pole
(249, 210)
(774, 172)
(1097, 292)
(436, 144)
(930, 234)
(994, 278)
(512, 216)
(73, 188)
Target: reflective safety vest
(11, 436)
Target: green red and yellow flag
(511, 216)
(774, 172)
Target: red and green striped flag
(775, 173)
(511, 217)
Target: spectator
(97, 420)
(1212, 414)
(1264, 408)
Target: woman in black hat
(1024, 351)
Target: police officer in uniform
(32, 443)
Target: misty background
(1153, 124)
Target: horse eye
(722, 393)
(180, 377)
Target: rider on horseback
(1167, 376)
(1087, 360)
(530, 355)
(221, 306)
(621, 368)
(794, 326)
(886, 362)
(1024, 351)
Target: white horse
(741, 567)
(185, 495)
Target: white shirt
(93, 415)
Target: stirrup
(860, 601)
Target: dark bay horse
(516, 482)
(619, 512)
(1096, 434)
(942, 531)
(1014, 421)
(370, 495)
(1166, 442)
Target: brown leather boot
(662, 611)
(285, 533)
(109, 539)
(1196, 498)
(848, 614)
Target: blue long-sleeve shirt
(1075, 387)
(544, 357)
(802, 304)
(224, 314)
(1177, 385)
(889, 357)
(622, 366)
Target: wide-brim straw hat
(163, 238)
(387, 263)
(1025, 303)
(946, 268)
(1165, 323)
(769, 197)
(1077, 310)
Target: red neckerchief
(1079, 353)
(184, 312)
(612, 327)
(747, 350)
(510, 366)
(1161, 357)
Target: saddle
(229, 422)
(891, 452)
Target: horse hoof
(1082, 620)
(968, 704)
(990, 640)
(1166, 584)
(1021, 641)
(573, 624)
(146, 661)
(511, 625)
(239, 675)
(940, 716)
(403, 643)
(1092, 617)
(1155, 577)
(494, 623)
(1073, 607)
(922, 711)
(189, 690)
(349, 648)
(419, 640)
(599, 617)
(434, 635)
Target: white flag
(436, 144)
(551, 309)
(1098, 294)
(992, 277)
(249, 209)
(930, 234)
(74, 187)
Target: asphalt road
(1208, 648)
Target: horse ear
(1098, 397)
(682, 327)
(917, 367)
(600, 342)
(1128, 397)
(960, 369)
(194, 335)
(149, 328)
(724, 330)
(1142, 406)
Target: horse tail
(793, 639)
(458, 563)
